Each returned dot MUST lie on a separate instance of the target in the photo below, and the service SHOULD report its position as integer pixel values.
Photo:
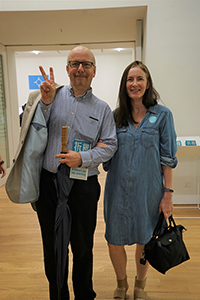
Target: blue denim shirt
(134, 184)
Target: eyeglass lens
(85, 64)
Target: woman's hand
(166, 205)
(100, 144)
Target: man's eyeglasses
(76, 64)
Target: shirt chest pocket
(89, 131)
(148, 137)
(121, 135)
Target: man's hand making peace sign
(47, 88)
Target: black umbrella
(62, 227)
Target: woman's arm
(166, 204)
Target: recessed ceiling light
(119, 49)
(36, 52)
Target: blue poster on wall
(35, 81)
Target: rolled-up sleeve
(168, 147)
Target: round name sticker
(152, 119)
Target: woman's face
(136, 83)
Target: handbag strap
(171, 221)
(159, 226)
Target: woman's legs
(141, 269)
(119, 260)
(140, 279)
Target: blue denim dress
(134, 183)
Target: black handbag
(166, 248)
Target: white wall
(172, 43)
(186, 181)
(15, 5)
(105, 84)
(171, 51)
(173, 56)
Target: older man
(89, 120)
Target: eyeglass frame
(80, 62)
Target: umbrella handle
(64, 139)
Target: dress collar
(153, 109)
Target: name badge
(80, 172)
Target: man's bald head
(79, 50)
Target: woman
(139, 180)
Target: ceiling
(62, 29)
(65, 53)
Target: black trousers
(82, 202)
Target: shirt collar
(87, 94)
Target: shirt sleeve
(46, 109)
(168, 147)
(107, 134)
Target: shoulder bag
(166, 248)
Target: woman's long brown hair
(123, 113)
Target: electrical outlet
(187, 184)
